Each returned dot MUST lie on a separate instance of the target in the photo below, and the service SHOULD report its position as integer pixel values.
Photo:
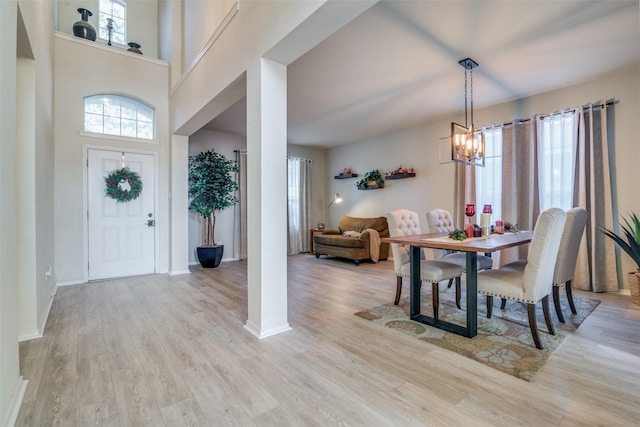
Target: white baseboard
(43, 319)
(71, 283)
(264, 334)
(16, 402)
(179, 272)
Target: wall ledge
(116, 50)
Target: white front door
(121, 234)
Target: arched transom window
(118, 115)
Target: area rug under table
(503, 342)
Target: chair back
(402, 222)
(569, 245)
(439, 221)
(543, 251)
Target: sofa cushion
(349, 223)
(331, 231)
(339, 240)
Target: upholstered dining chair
(567, 256)
(535, 282)
(439, 221)
(403, 222)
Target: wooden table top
(492, 243)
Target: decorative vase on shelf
(134, 47)
(82, 28)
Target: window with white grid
(116, 10)
(118, 115)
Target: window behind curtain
(489, 178)
(118, 115)
(556, 154)
(116, 10)
(298, 204)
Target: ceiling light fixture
(467, 144)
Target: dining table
(471, 246)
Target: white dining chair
(403, 222)
(567, 256)
(535, 282)
(440, 221)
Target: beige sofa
(334, 242)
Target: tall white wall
(36, 287)
(433, 185)
(26, 183)
(9, 362)
(201, 19)
(83, 68)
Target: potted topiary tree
(211, 189)
(632, 247)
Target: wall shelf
(370, 187)
(400, 175)
(346, 175)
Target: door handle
(151, 223)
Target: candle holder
(470, 211)
(109, 29)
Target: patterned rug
(503, 342)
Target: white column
(179, 205)
(267, 198)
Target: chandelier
(467, 143)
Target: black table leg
(415, 282)
(471, 329)
(472, 294)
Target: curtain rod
(585, 108)
(300, 158)
(288, 157)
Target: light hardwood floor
(161, 350)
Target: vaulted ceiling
(396, 65)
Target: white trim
(179, 272)
(264, 334)
(227, 19)
(85, 205)
(112, 49)
(117, 137)
(71, 283)
(16, 402)
(43, 319)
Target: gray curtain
(464, 192)
(520, 199)
(599, 264)
(240, 218)
(598, 259)
(299, 202)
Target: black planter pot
(210, 256)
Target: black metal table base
(471, 329)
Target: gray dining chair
(567, 256)
(535, 282)
(403, 222)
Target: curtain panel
(299, 202)
(598, 266)
(240, 216)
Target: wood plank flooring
(172, 350)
